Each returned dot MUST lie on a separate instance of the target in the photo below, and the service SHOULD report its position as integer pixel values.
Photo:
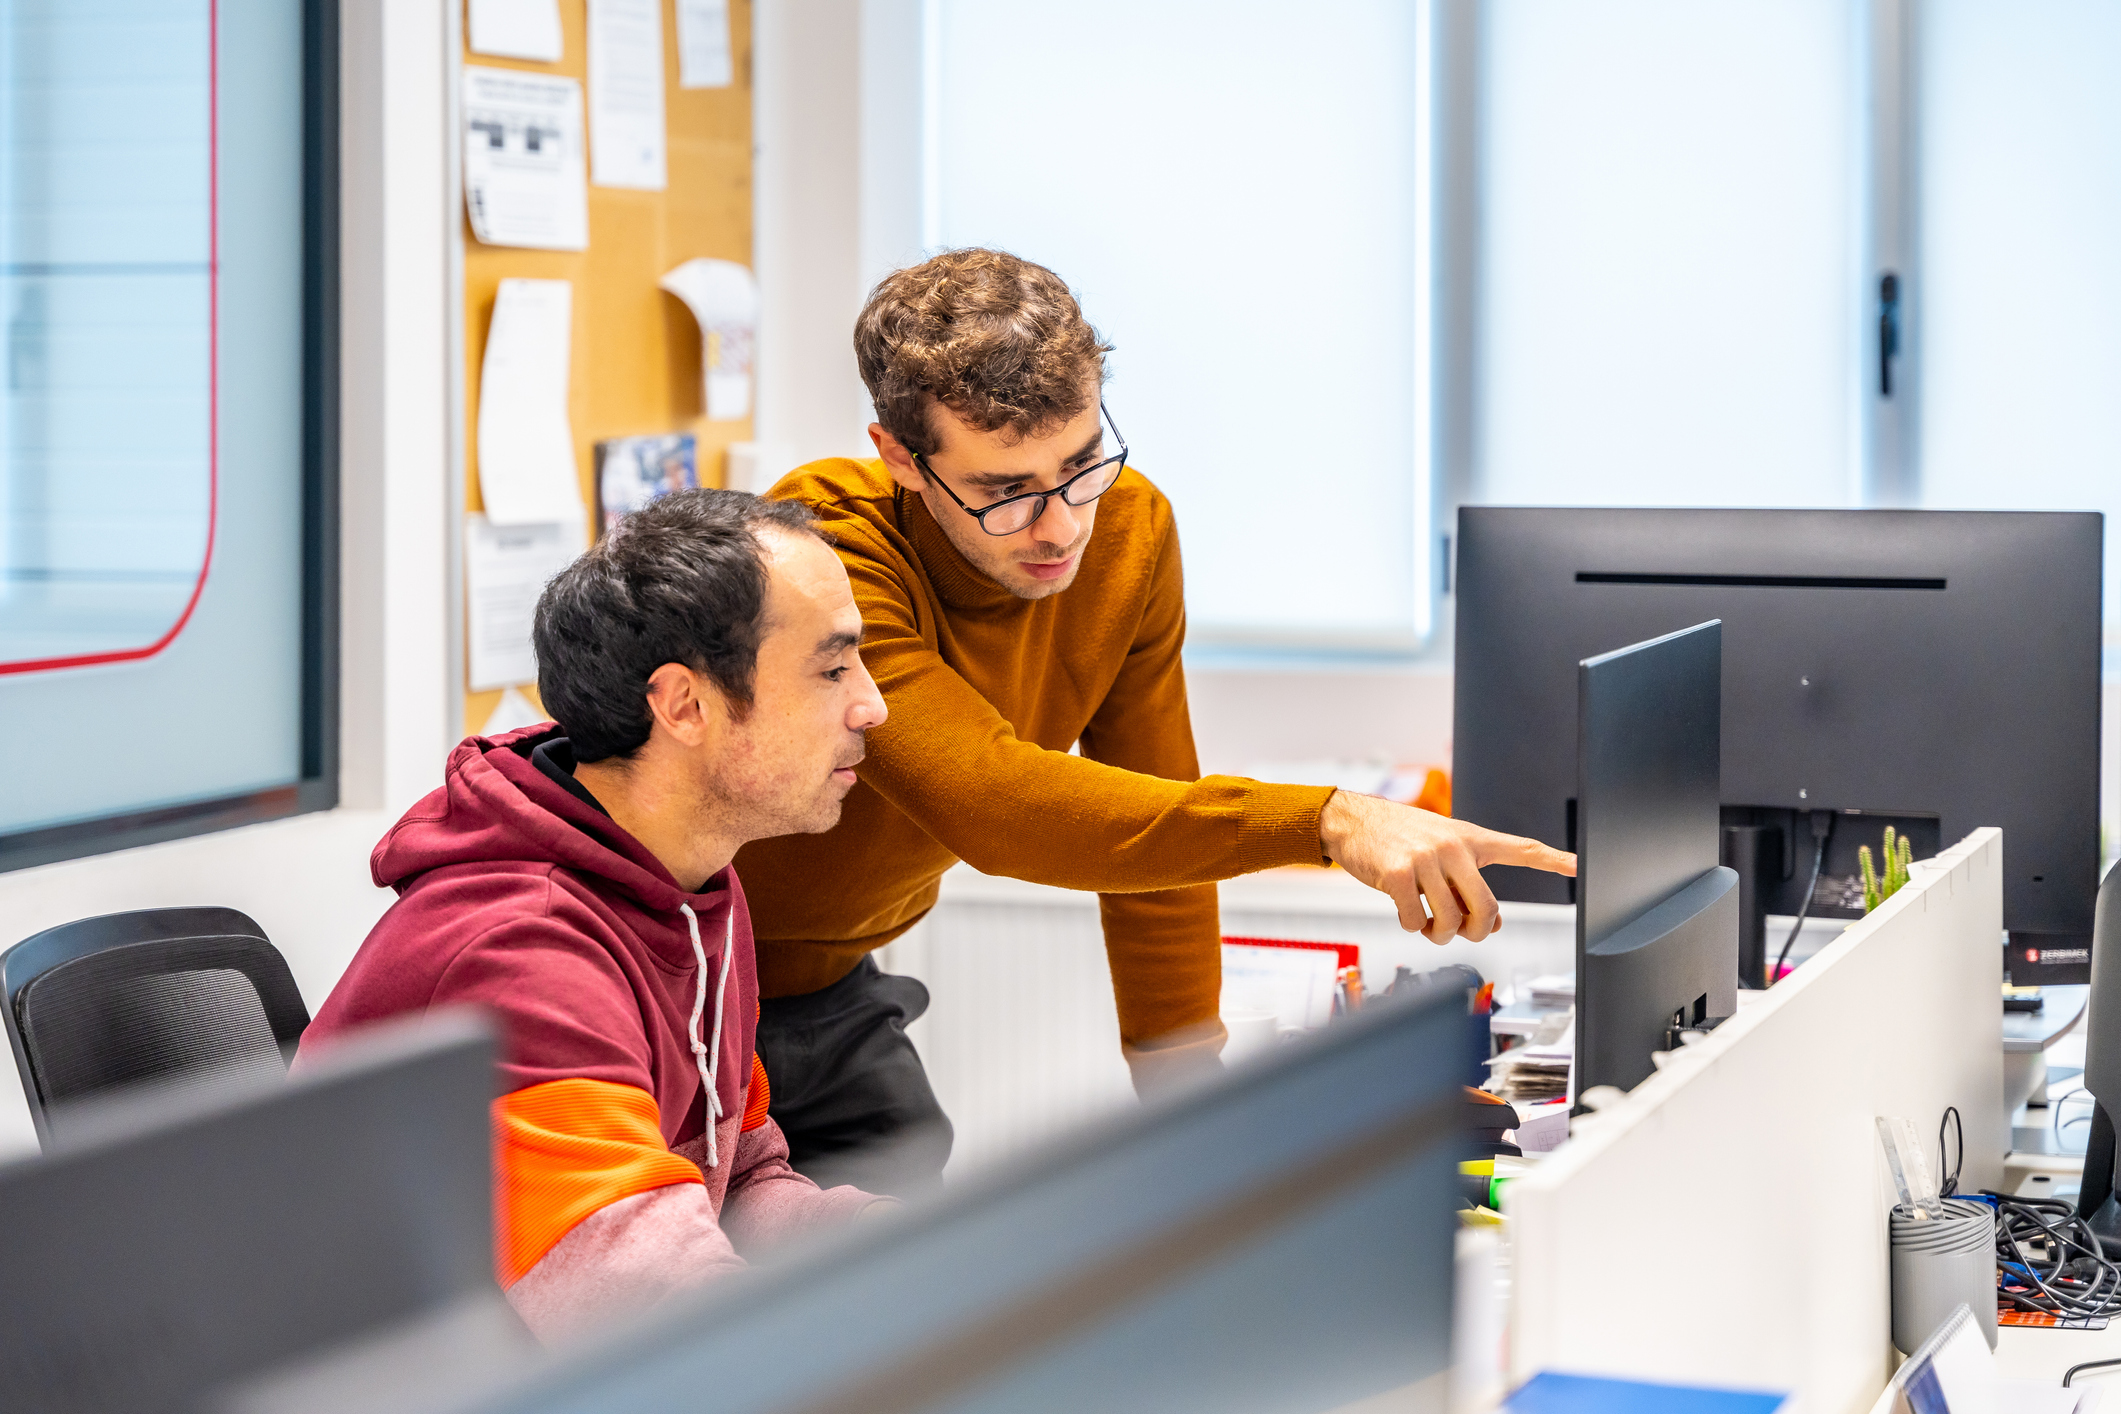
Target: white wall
(1243, 716)
(806, 237)
(306, 880)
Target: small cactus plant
(1898, 856)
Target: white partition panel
(1726, 1222)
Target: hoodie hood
(496, 807)
(516, 895)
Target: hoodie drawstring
(709, 1057)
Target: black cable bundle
(2072, 1278)
(2076, 1279)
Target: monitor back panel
(173, 1244)
(1929, 664)
(1657, 920)
(1280, 1240)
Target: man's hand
(1421, 859)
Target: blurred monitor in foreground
(1935, 671)
(175, 1242)
(1278, 1240)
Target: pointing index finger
(1497, 848)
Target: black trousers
(849, 1090)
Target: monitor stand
(1754, 853)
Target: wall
(807, 119)
(306, 879)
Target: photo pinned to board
(633, 471)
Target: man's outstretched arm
(1428, 864)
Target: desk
(2045, 1355)
(2027, 1036)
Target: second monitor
(1657, 917)
(1933, 670)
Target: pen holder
(1940, 1264)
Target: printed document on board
(517, 29)
(523, 169)
(703, 44)
(626, 94)
(506, 568)
(525, 442)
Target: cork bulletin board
(635, 351)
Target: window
(1670, 275)
(2020, 293)
(1656, 250)
(166, 525)
(1233, 192)
(1687, 213)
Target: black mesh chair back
(128, 998)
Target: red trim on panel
(1349, 954)
(213, 376)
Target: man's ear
(896, 458)
(684, 704)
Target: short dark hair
(994, 338)
(682, 580)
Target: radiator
(1021, 1040)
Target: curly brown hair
(994, 338)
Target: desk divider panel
(1725, 1224)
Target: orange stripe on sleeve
(761, 1095)
(566, 1149)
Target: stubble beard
(1046, 589)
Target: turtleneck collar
(956, 581)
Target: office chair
(2102, 1066)
(103, 1003)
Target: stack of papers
(1556, 992)
(1538, 1070)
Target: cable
(1822, 827)
(2073, 1278)
(1951, 1170)
(2071, 1374)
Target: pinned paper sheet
(526, 445)
(724, 299)
(506, 567)
(513, 711)
(516, 29)
(626, 94)
(523, 178)
(703, 44)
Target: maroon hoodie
(517, 895)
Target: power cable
(1822, 828)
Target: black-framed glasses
(1019, 512)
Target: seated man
(702, 664)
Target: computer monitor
(172, 1243)
(1933, 670)
(2096, 1201)
(1657, 921)
(1281, 1239)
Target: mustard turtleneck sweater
(987, 692)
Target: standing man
(1002, 632)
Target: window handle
(1888, 330)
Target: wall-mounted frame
(165, 696)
